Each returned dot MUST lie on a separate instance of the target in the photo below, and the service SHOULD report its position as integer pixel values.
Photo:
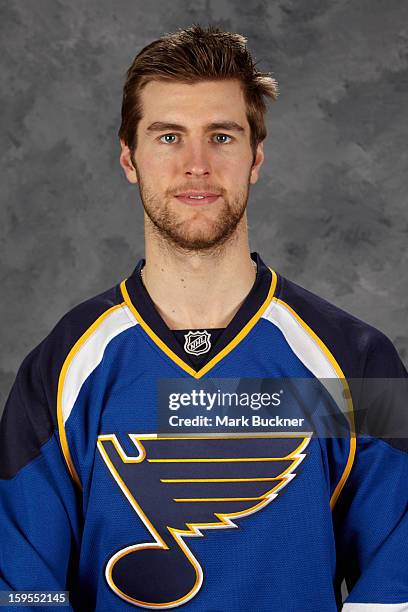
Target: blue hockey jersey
(95, 501)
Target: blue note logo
(197, 342)
(179, 487)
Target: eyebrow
(230, 126)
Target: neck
(198, 290)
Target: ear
(126, 163)
(257, 163)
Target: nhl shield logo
(197, 342)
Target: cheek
(233, 172)
(153, 168)
(159, 164)
(233, 161)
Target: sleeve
(39, 503)
(371, 516)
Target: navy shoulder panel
(362, 352)
(360, 349)
(68, 331)
(30, 413)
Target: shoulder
(359, 348)
(30, 416)
(69, 329)
(73, 326)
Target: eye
(166, 138)
(223, 136)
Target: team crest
(197, 342)
(179, 487)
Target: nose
(196, 161)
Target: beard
(186, 234)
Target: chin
(200, 241)
(196, 243)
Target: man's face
(193, 140)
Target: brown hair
(192, 55)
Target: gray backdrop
(330, 211)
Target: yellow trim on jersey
(227, 349)
(61, 381)
(347, 395)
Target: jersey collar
(142, 306)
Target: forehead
(194, 103)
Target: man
(94, 500)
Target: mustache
(206, 188)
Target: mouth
(197, 198)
